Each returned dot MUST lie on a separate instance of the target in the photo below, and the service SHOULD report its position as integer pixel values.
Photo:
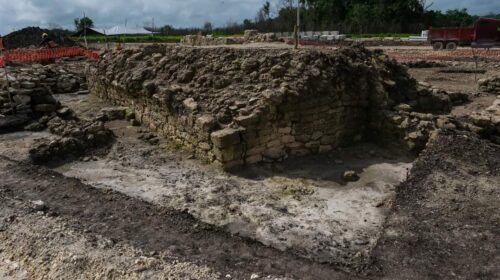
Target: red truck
(484, 34)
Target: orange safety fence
(24, 55)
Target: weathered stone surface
(226, 137)
(247, 105)
(114, 113)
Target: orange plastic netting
(23, 55)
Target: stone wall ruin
(243, 106)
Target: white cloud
(478, 7)
(16, 14)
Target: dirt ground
(456, 76)
(143, 211)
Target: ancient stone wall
(237, 106)
(491, 85)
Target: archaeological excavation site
(169, 161)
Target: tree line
(360, 16)
(347, 16)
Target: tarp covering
(123, 30)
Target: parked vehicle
(484, 34)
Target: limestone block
(313, 144)
(274, 143)
(253, 159)
(204, 146)
(190, 104)
(274, 153)
(285, 130)
(206, 123)
(226, 137)
(327, 139)
(325, 148)
(303, 138)
(256, 150)
(316, 135)
(294, 145)
(248, 120)
(287, 139)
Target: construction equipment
(485, 33)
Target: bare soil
(445, 220)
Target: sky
(16, 14)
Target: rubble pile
(250, 36)
(237, 106)
(32, 36)
(30, 93)
(200, 40)
(253, 36)
(487, 122)
(76, 138)
(490, 85)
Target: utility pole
(85, 30)
(297, 27)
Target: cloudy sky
(16, 14)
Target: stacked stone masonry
(243, 106)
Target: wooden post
(297, 27)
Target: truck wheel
(451, 46)
(437, 46)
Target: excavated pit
(239, 107)
(306, 116)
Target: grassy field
(130, 39)
(141, 38)
(176, 39)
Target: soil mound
(32, 36)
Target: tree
(207, 26)
(82, 23)
(264, 13)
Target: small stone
(63, 111)
(27, 85)
(350, 176)
(254, 276)
(190, 104)
(403, 107)
(38, 205)
(45, 108)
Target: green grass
(140, 38)
(382, 35)
(130, 39)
